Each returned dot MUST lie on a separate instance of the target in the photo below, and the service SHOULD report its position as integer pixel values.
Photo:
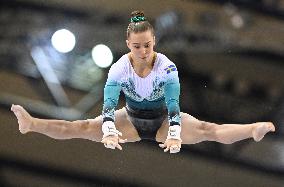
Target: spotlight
(63, 41)
(102, 55)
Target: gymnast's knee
(208, 131)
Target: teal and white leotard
(160, 89)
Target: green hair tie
(137, 19)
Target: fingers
(172, 147)
(118, 147)
(113, 142)
(119, 133)
(110, 145)
(167, 147)
(122, 140)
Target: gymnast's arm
(111, 136)
(172, 92)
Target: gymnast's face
(141, 46)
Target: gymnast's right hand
(111, 137)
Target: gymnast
(150, 83)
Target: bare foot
(24, 118)
(260, 129)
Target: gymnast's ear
(127, 43)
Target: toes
(23, 131)
(262, 129)
(15, 108)
(18, 114)
(272, 127)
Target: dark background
(230, 56)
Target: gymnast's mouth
(144, 58)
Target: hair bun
(137, 16)
(137, 13)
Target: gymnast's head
(140, 36)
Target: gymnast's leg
(195, 131)
(61, 129)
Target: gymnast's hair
(139, 23)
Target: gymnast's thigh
(124, 125)
(191, 130)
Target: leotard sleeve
(172, 93)
(111, 92)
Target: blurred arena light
(165, 23)
(168, 19)
(236, 18)
(102, 55)
(237, 21)
(63, 40)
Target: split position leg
(61, 129)
(195, 131)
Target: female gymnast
(151, 87)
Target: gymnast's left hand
(113, 142)
(111, 136)
(172, 145)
